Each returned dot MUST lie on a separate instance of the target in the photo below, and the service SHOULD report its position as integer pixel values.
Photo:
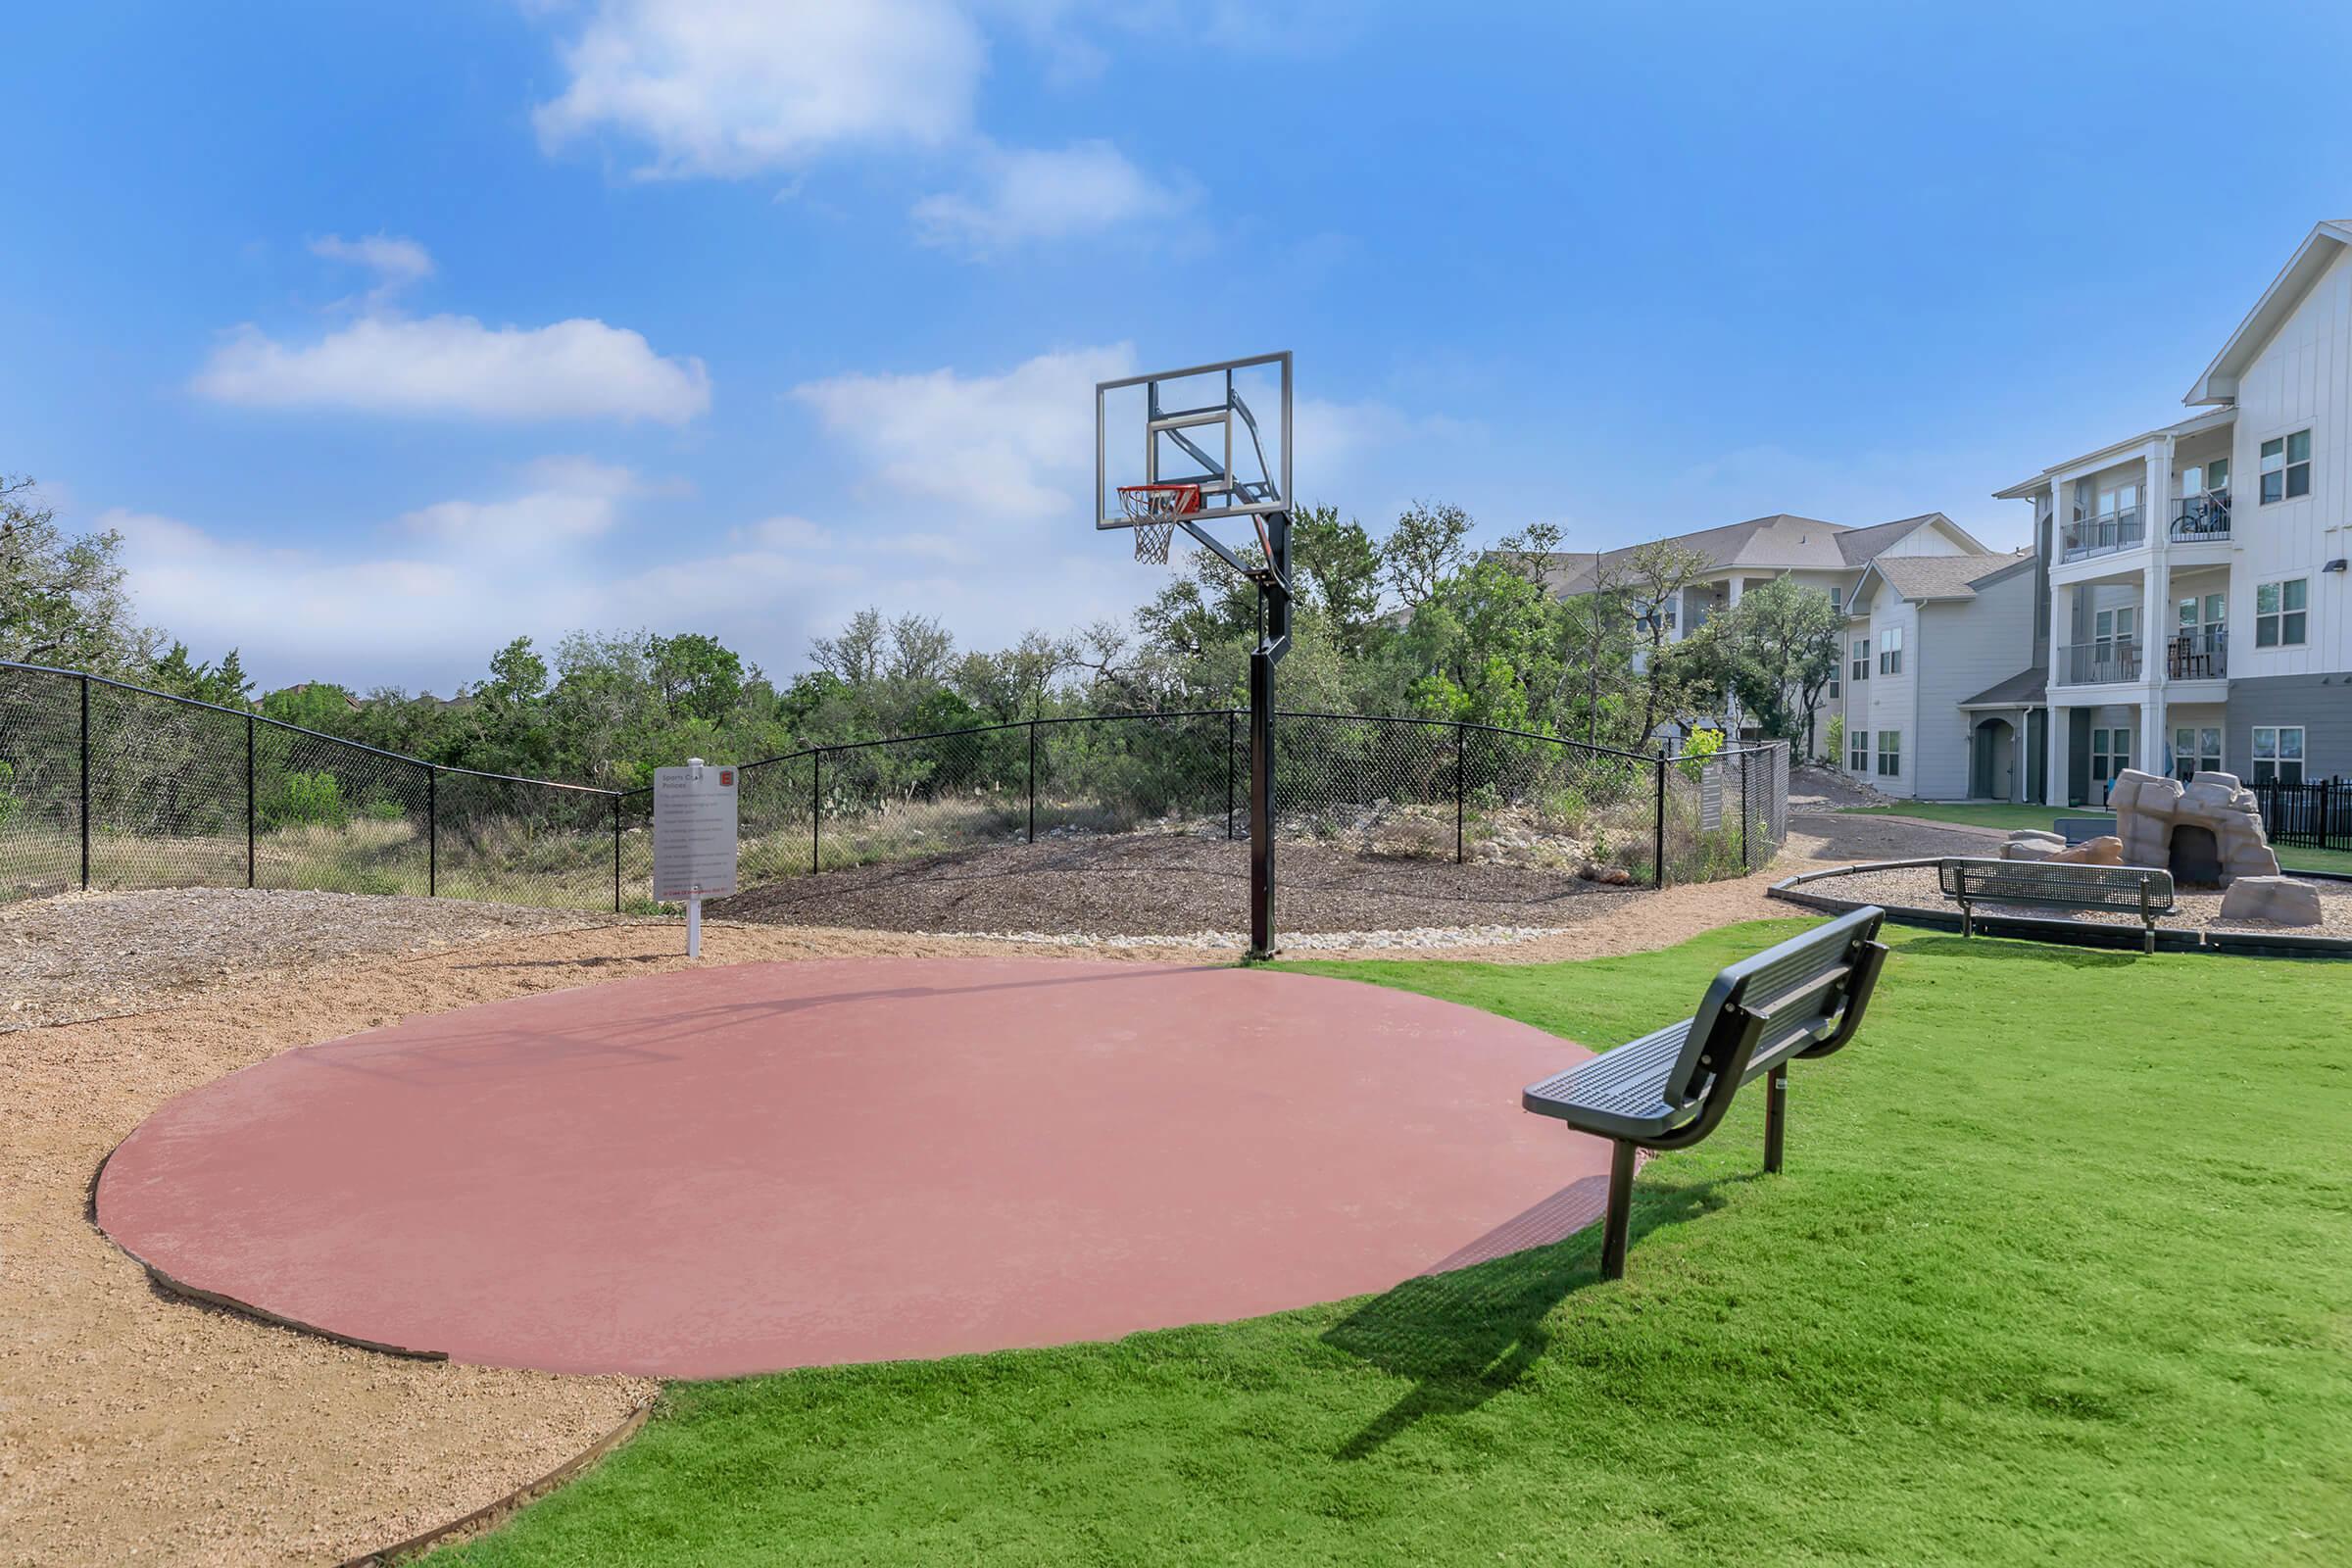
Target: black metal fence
(2307, 816)
(105, 784)
(109, 786)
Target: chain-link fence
(108, 785)
(1722, 814)
(103, 785)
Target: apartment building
(1826, 555)
(1923, 634)
(2198, 615)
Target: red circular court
(733, 1170)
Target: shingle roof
(1918, 578)
(2027, 688)
(1782, 542)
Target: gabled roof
(1925, 578)
(2027, 688)
(1780, 542)
(2317, 253)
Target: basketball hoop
(1156, 509)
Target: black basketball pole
(1273, 642)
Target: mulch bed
(1168, 884)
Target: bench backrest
(2056, 882)
(1805, 980)
(2082, 829)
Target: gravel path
(90, 955)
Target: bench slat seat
(1671, 1087)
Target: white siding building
(2198, 612)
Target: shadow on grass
(1469, 1334)
(2021, 951)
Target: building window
(2278, 754)
(1890, 651)
(1857, 752)
(1859, 668)
(2205, 480)
(2195, 749)
(1836, 691)
(2110, 755)
(1890, 753)
(2286, 467)
(1657, 616)
(2280, 612)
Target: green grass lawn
(1986, 814)
(2061, 1271)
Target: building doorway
(1993, 761)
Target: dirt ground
(138, 1428)
(1170, 884)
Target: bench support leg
(1776, 1117)
(1621, 1210)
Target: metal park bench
(2137, 890)
(1669, 1090)
(2082, 829)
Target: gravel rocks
(2196, 908)
(100, 954)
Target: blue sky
(387, 333)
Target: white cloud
(1010, 446)
(395, 261)
(784, 532)
(735, 87)
(454, 365)
(570, 499)
(1025, 194)
(429, 610)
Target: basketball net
(1156, 509)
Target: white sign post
(694, 839)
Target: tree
(62, 600)
(182, 675)
(1779, 648)
(1335, 568)
(1425, 548)
(697, 675)
(313, 705)
(1672, 677)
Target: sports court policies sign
(694, 831)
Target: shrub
(306, 799)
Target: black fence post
(1658, 867)
(85, 783)
(249, 807)
(816, 802)
(1033, 781)
(1462, 744)
(617, 852)
(432, 831)
(1745, 810)
(1231, 751)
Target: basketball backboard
(1224, 428)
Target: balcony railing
(2198, 520)
(2103, 535)
(2098, 664)
(2201, 653)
